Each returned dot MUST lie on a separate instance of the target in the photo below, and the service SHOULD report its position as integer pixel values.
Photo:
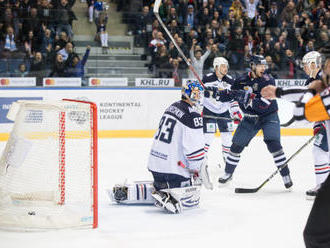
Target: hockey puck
(31, 213)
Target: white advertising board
(62, 82)
(119, 109)
(17, 82)
(290, 82)
(154, 82)
(107, 82)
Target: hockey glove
(243, 97)
(210, 91)
(318, 127)
(224, 95)
(235, 112)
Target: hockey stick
(156, 9)
(254, 190)
(226, 118)
(249, 116)
(289, 122)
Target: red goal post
(48, 169)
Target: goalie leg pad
(187, 197)
(135, 193)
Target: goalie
(176, 156)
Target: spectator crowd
(280, 30)
(36, 39)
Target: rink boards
(123, 112)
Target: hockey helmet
(192, 91)
(312, 57)
(257, 60)
(220, 61)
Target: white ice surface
(270, 218)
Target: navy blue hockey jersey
(211, 100)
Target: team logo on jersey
(248, 89)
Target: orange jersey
(318, 107)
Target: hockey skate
(226, 178)
(166, 201)
(311, 194)
(287, 181)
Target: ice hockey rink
(270, 218)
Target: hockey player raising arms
(246, 91)
(218, 113)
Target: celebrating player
(246, 91)
(217, 113)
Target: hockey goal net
(48, 169)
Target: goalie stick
(156, 9)
(254, 190)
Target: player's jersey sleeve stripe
(195, 152)
(198, 155)
(290, 94)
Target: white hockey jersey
(179, 138)
(211, 80)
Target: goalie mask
(192, 92)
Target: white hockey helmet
(312, 57)
(220, 61)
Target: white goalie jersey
(179, 138)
